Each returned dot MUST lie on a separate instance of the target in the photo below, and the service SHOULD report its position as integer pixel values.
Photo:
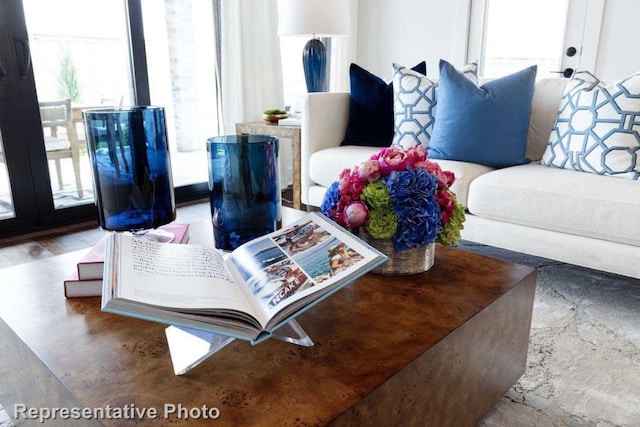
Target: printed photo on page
(291, 262)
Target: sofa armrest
(324, 124)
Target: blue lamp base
(314, 62)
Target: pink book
(91, 265)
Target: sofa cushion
(597, 128)
(560, 200)
(544, 108)
(371, 108)
(482, 124)
(415, 99)
(325, 167)
(465, 173)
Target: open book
(91, 265)
(245, 294)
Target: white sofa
(575, 217)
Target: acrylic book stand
(188, 347)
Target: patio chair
(55, 114)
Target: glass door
(17, 202)
(60, 57)
(557, 35)
(513, 44)
(7, 209)
(6, 198)
(181, 58)
(80, 58)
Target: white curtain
(343, 53)
(251, 74)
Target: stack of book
(86, 280)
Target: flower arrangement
(400, 195)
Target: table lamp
(318, 18)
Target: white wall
(618, 48)
(409, 31)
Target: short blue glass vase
(243, 187)
(131, 167)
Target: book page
(177, 276)
(304, 258)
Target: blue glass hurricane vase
(243, 187)
(131, 167)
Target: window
(83, 59)
(108, 53)
(6, 199)
(520, 34)
(181, 59)
(507, 36)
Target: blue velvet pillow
(482, 124)
(371, 108)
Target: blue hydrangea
(414, 201)
(330, 201)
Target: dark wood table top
(363, 335)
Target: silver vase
(409, 261)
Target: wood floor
(21, 249)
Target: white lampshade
(321, 18)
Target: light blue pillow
(482, 124)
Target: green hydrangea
(376, 195)
(382, 223)
(450, 232)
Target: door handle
(23, 55)
(566, 73)
(3, 73)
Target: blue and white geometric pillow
(597, 128)
(414, 105)
(414, 99)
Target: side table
(273, 129)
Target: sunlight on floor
(187, 168)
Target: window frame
(22, 137)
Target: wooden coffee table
(439, 348)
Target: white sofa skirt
(588, 252)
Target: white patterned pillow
(414, 105)
(597, 128)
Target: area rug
(5, 420)
(583, 365)
(64, 198)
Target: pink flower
(445, 178)
(350, 187)
(433, 168)
(356, 214)
(369, 170)
(350, 183)
(418, 153)
(393, 159)
(450, 178)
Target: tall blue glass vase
(131, 167)
(243, 187)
